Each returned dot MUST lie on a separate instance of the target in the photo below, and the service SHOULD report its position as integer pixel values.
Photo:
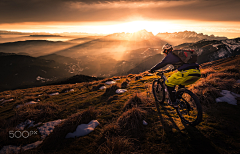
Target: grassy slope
(218, 133)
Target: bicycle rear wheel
(158, 93)
(189, 108)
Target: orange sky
(218, 17)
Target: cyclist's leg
(171, 82)
(191, 76)
(181, 78)
(172, 92)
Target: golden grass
(124, 85)
(116, 145)
(132, 102)
(131, 122)
(111, 90)
(122, 131)
(138, 77)
(208, 71)
(110, 130)
(38, 112)
(57, 138)
(131, 76)
(215, 79)
(95, 88)
(105, 80)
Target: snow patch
(216, 45)
(222, 53)
(150, 75)
(16, 149)
(145, 123)
(69, 90)
(119, 91)
(40, 78)
(31, 102)
(103, 87)
(48, 127)
(9, 100)
(28, 123)
(117, 79)
(83, 129)
(110, 82)
(53, 94)
(228, 97)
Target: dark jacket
(176, 62)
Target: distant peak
(143, 30)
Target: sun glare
(229, 29)
(134, 26)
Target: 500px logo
(24, 134)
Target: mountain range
(187, 37)
(102, 56)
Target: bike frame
(164, 78)
(182, 103)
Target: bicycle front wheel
(189, 108)
(158, 93)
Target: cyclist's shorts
(185, 77)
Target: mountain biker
(188, 73)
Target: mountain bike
(189, 108)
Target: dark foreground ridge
(121, 116)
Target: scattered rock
(53, 94)
(145, 123)
(22, 125)
(48, 127)
(103, 87)
(83, 129)
(9, 100)
(31, 102)
(149, 74)
(110, 82)
(119, 91)
(228, 97)
(69, 90)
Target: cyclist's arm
(169, 59)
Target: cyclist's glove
(151, 71)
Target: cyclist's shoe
(173, 104)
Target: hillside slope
(210, 50)
(34, 48)
(121, 116)
(21, 70)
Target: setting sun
(134, 26)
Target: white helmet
(167, 46)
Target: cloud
(15, 11)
